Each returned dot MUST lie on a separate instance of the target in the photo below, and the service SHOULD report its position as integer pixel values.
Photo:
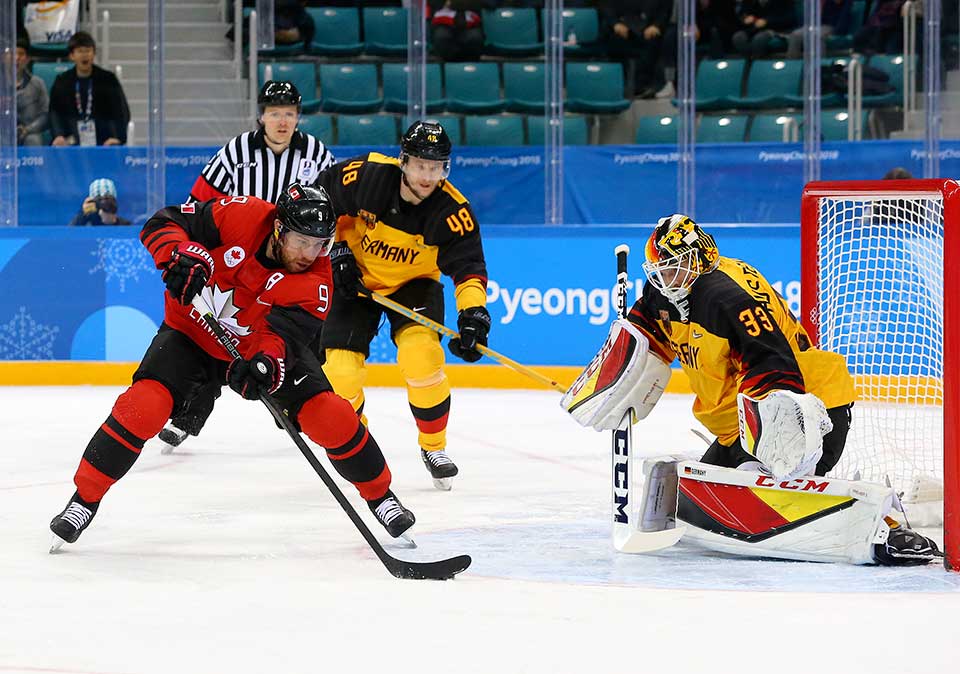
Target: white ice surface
(230, 556)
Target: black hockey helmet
(278, 92)
(426, 140)
(307, 211)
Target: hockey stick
(453, 334)
(439, 570)
(626, 536)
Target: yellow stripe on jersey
(795, 505)
(470, 293)
(377, 158)
(454, 192)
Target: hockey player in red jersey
(264, 271)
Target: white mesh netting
(881, 306)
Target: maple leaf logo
(221, 302)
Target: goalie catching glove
(784, 431)
(253, 378)
(623, 375)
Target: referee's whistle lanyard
(86, 127)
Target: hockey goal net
(875, 288)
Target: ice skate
(171, 437)
(396, 519)
(442, 468)
(905, 547)
(69, 524)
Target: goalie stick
(443, 569)
(626, 537)
(453, 334)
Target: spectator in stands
(633, 31)
(87, 103)
(898, 173)
(760, 22)
(882, 32)
(100, 206)
(456, 28)
(32, 100)
(716, 22)
(835, 19)
(292, 23)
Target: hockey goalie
(779, 409)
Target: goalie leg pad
(784, 431)
(811, 518)
(623, 375)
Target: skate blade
(56, 543)
(166, 449)
(443, 483)
(407, 539)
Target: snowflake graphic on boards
(25, 339)
(122, 259)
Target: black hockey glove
(252, 378)
(188, 271)
(346, 274)
(474, 325)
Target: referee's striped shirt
(246, 166)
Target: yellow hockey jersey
(734, 334)
(394, 241)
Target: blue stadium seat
(770, 128)
(523, 86)
(595, 88)
(493, 130)
(450, 124)
(581, 27)
(659, 129)
(833, 124)
(772, 84)
(337, 31)
(576, 131)
(395, 77)
(349, 87)
(892, 65)
(48, 71)
(385, 30)
(723, 129)
(320, 126)
(380, 130)
(718, 83)
(302, 74)
(512, 30)
(473, 87)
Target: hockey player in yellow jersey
(402, 226)
(780, 409)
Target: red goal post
(880, 283)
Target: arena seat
(718, 83)
(523, 86)
(769, 128)
(576, 131)
(395, 77)
(385, 30)
(656, 129)
(319, 125)
(771, 84)
(493, 130)
(595, 88)
(367, 130)
(349, 87)
(722, 129)
(473, 87)
(337, 31)
(48, 71)
(512, 30)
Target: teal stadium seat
(512, 31)
(473, 87)
(395, 76)
(320, 126)
(279, 50)
(302, 74)
(48, 71)
(378, 130)
(385, 30)
(892, 65)
(493, 130)
(523, 86)
(833, 124)
(337, 31)
(595, 88)
(349, 87)
(770, 128)
(722, 129)
(576, 131)
(843, 41)
(772, 84)
(450, 124)
(581, 27)
(718, 83)
(657, 130)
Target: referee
(261, 163)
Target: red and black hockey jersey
(256, 300)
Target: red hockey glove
(259, 375)
(190, 268)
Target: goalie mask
(677, 253)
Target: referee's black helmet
(426, 140)
(307, 210)
(278, 92)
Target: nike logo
(296, 382)
(259, 301)
(697, 335)
(418, 308)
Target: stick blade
(638, 542)
(443, 569)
